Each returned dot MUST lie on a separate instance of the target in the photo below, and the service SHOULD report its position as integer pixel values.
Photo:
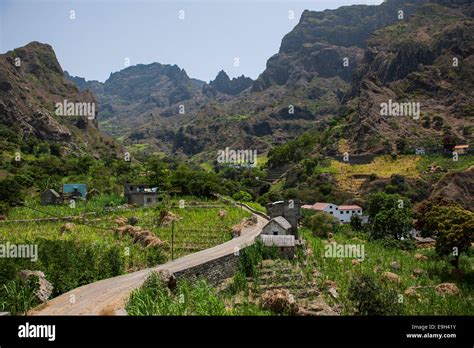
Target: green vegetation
(292, 151)
(88, 252)
(445, 162)
(423, 300)
(371, 297)
(321, 224)
(390, 216)
(452, 225)
(154, 298)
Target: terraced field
(383, 167)
(197, 225)
(300, 279)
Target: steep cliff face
(328, 43)
(426, 59)
(32, 82)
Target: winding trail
(108, 296)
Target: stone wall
(214, 271)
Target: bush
(356, 223)
(321, 224)
(451, 224)
(370, 298)
(242, 196)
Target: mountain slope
(332, 72)
(414, 61)
(32, 82)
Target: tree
(422, 210)
(11, 190)
(321, 223)
(390, 215)
(160, 175)
(454, 228)
(449, 141)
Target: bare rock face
(45, 288)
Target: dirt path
(108, 296)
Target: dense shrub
(451, 224)
(18, 296)
(371, 298)
(68, 264)
(12, 190)
(242, 196)
(321, 224)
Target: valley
(156, 193)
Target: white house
(342, 212)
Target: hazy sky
(105, 33)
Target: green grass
(436, 269)
(446, 162)
(257, 206)
(199, 298)
(154, 299)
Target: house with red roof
(342, 212)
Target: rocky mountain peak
(223, 84)
(33, 83)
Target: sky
(101, 37)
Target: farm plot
(86, 249)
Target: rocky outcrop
(223, 84)
(413, 61)
(328, 43)
(32, 84)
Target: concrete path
(108, 296)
